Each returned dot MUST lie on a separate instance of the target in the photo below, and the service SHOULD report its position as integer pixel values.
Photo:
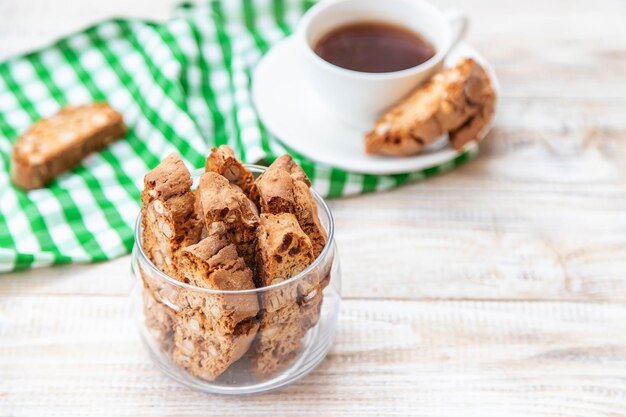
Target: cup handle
(459, 23)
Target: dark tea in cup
(374, 47)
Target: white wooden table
(495, 290)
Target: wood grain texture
(391, 357)
(495, 290)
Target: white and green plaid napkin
(182, 85)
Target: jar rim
(138, 248)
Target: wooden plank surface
(494, 290)
(454, 358)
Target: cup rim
(139, 252)
(381, 76)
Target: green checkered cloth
(182, 85)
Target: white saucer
(292, 111)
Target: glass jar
(287, 339)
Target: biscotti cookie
(458, 100)
(213, 330)
(279, 339)
(223, 161)
(203, 351)
(56, 144)
(284, 188)
(286, 163)
(213, 263)
(275, 188)
(228, 211)
(284, 250)
(168, 215)
(278, 342)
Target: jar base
(308, 360)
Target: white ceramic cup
(359, 98)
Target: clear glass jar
(297, 318)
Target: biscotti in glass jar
(237, 274)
